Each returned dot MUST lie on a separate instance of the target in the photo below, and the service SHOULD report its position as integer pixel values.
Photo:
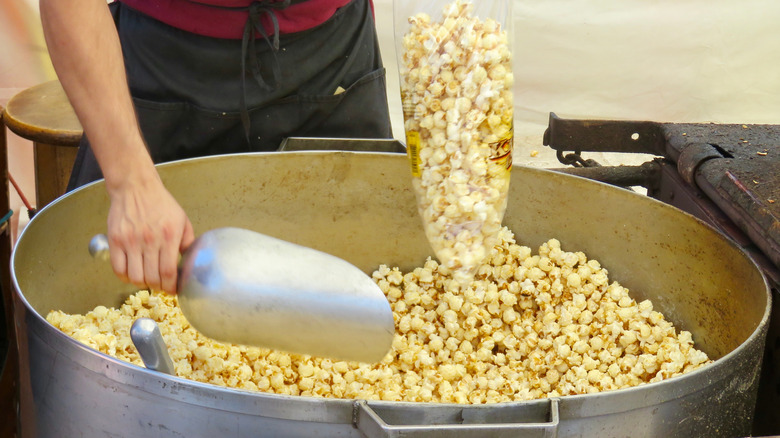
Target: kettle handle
(368, 422)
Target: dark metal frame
(728, 175)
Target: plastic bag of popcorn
(456, 90)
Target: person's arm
(146, 226)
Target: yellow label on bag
(413, 151)
(501, 151)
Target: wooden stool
(43, 114)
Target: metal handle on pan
(372, 425)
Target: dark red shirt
(200, 18)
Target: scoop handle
(98, 249)
(144, 332)
(151, 347)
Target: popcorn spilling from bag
(456, 89)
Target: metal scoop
(243, 287)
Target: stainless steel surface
(242, 287)
(361, 207)
(151, 347)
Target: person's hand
(147, 229)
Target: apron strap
(253, 26)
(257, 9)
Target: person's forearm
(147, 228)
(85, 51)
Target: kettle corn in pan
(527, 327)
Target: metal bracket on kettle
(455, 422)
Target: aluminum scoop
(243, 287)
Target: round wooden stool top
(43, 114)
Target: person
(160, 80)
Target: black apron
(192, 96)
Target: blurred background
(661, 60)
(24, 62)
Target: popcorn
(501, 339)
(456, 85)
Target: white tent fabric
(661, 60)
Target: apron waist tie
(254, 25)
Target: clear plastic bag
(456, 79)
